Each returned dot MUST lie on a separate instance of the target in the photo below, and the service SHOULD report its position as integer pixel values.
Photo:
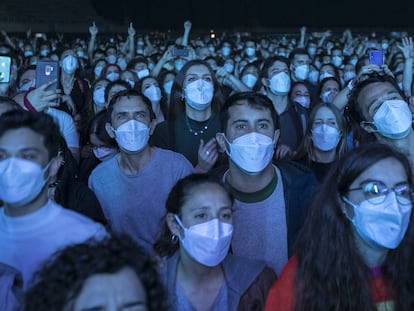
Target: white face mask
(251, 152)
(325, 137)
(132, 136)
(167, 87)
(130, 82)
(104, 153)
(312, 51)
(229, 67)
(250, 52)
(98, 71)
(304, 101)
(337, 61)
(122, 63)
(21, 180)
(353, 61)
(112, 76)
(393, 119)
(25, 87)
(382, 224)
(99, 97)
(111, 59)
(301, 72)
(153, 93)
(349, 75)
(249, 80)
(313, 77)
(327, 97)
(225, 51)
(143, 73)
(207, 243)
(280, 83)
(69, 64)
(199, 94)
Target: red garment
(280, 297)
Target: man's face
(301, 59)
(372, 97)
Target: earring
(174, 239)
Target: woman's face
(101, 84)
(148, 82)
(122, 290)
(206, 202)
(325, 116)
(299, 90)
(197, 72)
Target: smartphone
(180, 52)
(47, 71)
(5, 64)
(376, 57)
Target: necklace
(195, 132)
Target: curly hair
(57, 284)
(332, 274)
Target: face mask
(207, 243)
(349, 75)
(80, 54)
(312, 51)
(178, 64)
(282, 54)
(167, 87)
(325, 75)
(249, 80)
(44, 53)
(382, 224)
(301, 72)
(228, 67)
(142, 74)
(327, 97)
(28, 53)
(99, 97)
(122, 64)
(111, 59)
(384, 46)
(393, 119)
(280, 83)
(140, 51)
(400, 85)
(21, 180)
(130, 82)
(325, 137)
(313, 77)
(211, 49)
(98, 71)
(198, 94)
(225, 51)
(104, 153)
(25, 87)
(250, 52)
(304, 101)
(337, 61)
(132, 136)
(251, 152)
(153, 93)
(353, 61)
(112, 76)
(69, 64)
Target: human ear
(109, 130)
(367, 127)
(221, 141)
(172, 224)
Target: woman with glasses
(356, 250)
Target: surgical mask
(104, 153)
(325, 75)
(251, 152)
(325, 137)
(153, 93)
(132, 136)
(250, 51)
(280, 83)
(312, 51)
(81, 54)
(44, 53)
(304, 101)
(28, 53)
(167, 86)
(381, 224)
(69, 64)
(98, 71)
(122, 63)
(112, 76)
(249, 80)
(25, 87)
(111, 59)
(198, 94)
(207, 243)
(349, 75)
(179, 64)
(337, 61)
(313, 77)
(393, 119)
(21, 180)
(229, 67)
(353, 61)
(326, 97)
(142, 73)
(225, 51)
(301, 72)
(99, 97)
(282, 54)
(130, 82)
(384, 46)
(400, 85)
(140, 51)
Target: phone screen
(376, 57)
(5, 62)
(47, 71)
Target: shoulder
(169, 155)
(104, 167)
(294, 172)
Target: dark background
(260, 14)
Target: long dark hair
(332, 274)
(177, 105)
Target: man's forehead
(130, 102)
(243, 109)
(374, 91)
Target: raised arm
(93, 30)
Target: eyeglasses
(376, 192)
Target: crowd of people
(233, 171)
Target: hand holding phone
(47, 71)
(5, 64)
(376, 57)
